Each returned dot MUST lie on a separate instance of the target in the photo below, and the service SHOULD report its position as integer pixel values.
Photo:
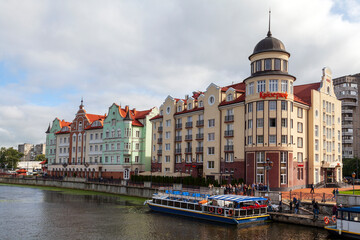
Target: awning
(21, 171)
(235, 198)
(43, 162)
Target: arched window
(80, 126)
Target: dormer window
(229, 97)
(189, 106)
(201, 104)
(161, 112)
(179, 108)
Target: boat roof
(235, 198)
(350, 209)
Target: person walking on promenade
(312, 188)
(334, 210)
(334, 194)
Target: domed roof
(269, 44)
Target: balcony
(347, 141)
(188, 137)
(177, 150)
(159, 152)
(159, 140)
(350, 104)
(229, 148)
(199, 136)
(189, 125)
(229, 118)
(348, 118)
(160, 129)
(200, 123)
(199, 150)
(178, 138)
(178, 126)
(188, 150)
(229, 133)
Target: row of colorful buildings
(263, 129)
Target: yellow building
(263, 130)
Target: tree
(9, 157)
(350, 166)
(40, 158)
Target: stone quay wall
(143, 192)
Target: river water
(42, 213)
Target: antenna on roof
(269, 32)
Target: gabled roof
(302, 93)
(237, 100)
(94, 117)
(156, 117)
(48, 130)
(239, 87)
(134, 115)
(63, 123)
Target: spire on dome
(269, 32)
(82, 103)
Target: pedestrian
(280, 206)
(334, 194)
(334, 210)
(297, 206)
(316, 210)
(312, 188)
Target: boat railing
(235, 212)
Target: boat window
(345, 216)
(355, 217)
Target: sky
(136, 53)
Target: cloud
(138, 52)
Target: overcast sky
(136, 53)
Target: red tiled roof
(94, 117)
(302, 93)
(63, 123)
(156, 117)
(134, 115)
(191, 110)
(237, 100)
(239, 87)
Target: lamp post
(353, 176)
(268, 165)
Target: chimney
(134, 111)
(126, 108)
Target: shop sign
(264, 95)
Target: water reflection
(33, 213)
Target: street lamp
(268, 165)
(353, 176)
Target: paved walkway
(325, 190)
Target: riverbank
(143, 192)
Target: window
(167, 135)
(260, 157)
(267, 64)
(178, 158)
(260, 122)
(272, 105)
(284, 139)
(168, 122)
(272, 122)
(250, 140)
(250, 123)
(273, 85)
(285, 66)
(300, 127)
(229, 97)
(251, 88)
(211, 100)
(277, 64)
(299, 142)
(260, 139)
(211, 122)
(261, 86)
(211, 136)
(113, 122)
(137, 146)
(211, 150)
(283, 167)
(211, 164)
(316, 130)
(250, 107)
(189, 106)
(258, 65)
(272, 139)
(137, 134)
(179, 108)
(113, 133)
(300, 157)
(127, 132)
(283, 105)
(201, 104)
(229, 157)
(316, 145)
(284, 122)
(118, 146)
(291, 88)
(167, 159)
(300, 113)
(316, 157)
(291, 123)
(260, 106)
(167, 147)
(284, 85)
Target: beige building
(262, 130)
(30, 151)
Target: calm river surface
(41, 213)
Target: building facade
(240, 130)
(346, 90)
(109, 146)
(30, 151)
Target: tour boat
(347, 223)
(230, 209)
